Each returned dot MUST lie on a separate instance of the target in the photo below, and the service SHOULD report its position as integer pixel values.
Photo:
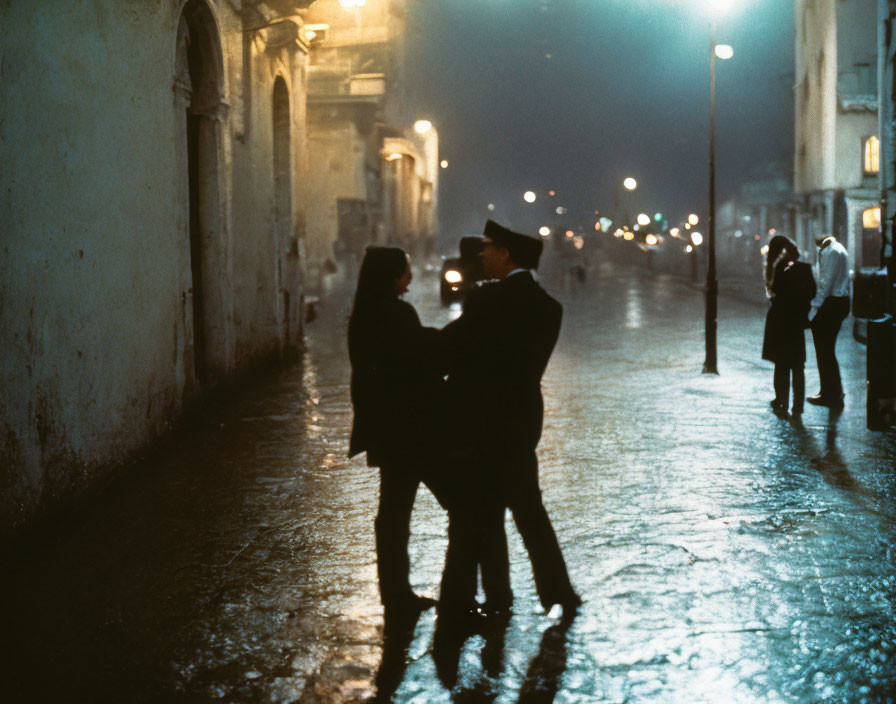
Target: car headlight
(452, 276)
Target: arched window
(872, 155)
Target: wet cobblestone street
(724, 554)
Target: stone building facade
(153, 220)
(373, 177)
(836, 162)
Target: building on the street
(166, 168)
(887, 121)
(373, 177)
(837, 146)
(761, 208)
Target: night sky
(623, 92)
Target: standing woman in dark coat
(395, 389)
(790, 287)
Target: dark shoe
(819, 400)
(779, 408)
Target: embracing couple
(459, 409)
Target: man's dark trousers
(511, 481)
(825, 328)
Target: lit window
(872, 155)
(871, 218)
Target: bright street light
(529, 197)
(630, 184)
(544, 231)
(724, 51)
(696, 238)
(422, 126)
(643, 219)
(693, 219)
(444, 163)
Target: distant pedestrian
(395, 389)
(829, 309)
(790, 286)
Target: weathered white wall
(95, 291)
(815, 95)
(336, 170)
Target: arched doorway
(284, 271)
(199, 104)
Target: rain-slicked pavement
(724, 554)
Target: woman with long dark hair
(790, 287)
(395, 391)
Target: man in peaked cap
(497, 351)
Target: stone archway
(201, 109)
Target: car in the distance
(460, 274)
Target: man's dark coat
(497, 352)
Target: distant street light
(544, 231)
(529, 197)
(444, 163)
(422, 126)
(696, 238)
(711, 365)
(643, 219)
(630, 184)
(693, 219)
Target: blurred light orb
(578, 242)
(630, 184)
(764, 250)
(643, 219)
(422, 126)
(696, 238)
(689, 249)
(674, 231)
(693, 219)
(718, 7)
(628, 236)
(552, 193)
(452, 276)
(544, 231)
(444, 163)
(651, 240)
(597, 227)
(351, 4)
(560, 211)
(491, 206)
(529, 197)
(724, 51)
(569, 234)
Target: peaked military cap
(524, 250)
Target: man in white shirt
(829, 309)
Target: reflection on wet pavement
(724, 554)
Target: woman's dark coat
(396, 386)
(793, 288)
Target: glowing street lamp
(630, 184)
(529, 197)
(444, 163)
(643, 219)
(696, 238)
(693, 219)
(422, 126)
(544, 231)
(710, 365)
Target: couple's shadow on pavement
(542, 677)
(829, 463)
